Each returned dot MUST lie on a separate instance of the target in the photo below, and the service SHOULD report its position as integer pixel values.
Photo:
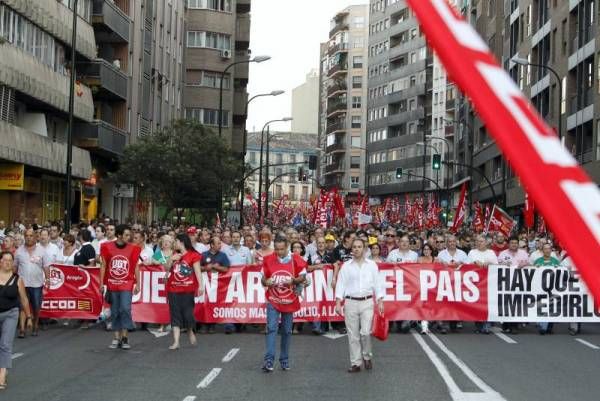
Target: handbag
(381, 326)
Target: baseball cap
(329, 237)
(192, 230)
(372, 240)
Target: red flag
(461, 210)
(541, 229)
(562, 191)
(218, 221)
(500, 221)
(529, 213)
(478, 220)
(339, 204)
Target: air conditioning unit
(226, 54)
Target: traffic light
(300, 174)
(312, 162)
(437, 162)
(304, 177)
(399, 172)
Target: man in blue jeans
(282, 272)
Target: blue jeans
(545, 326)
(8, 327)
(287, 320)
(120, 310)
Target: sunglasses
(440, 242)
(390, 235)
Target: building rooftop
(285, 141)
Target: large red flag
(478, 220)
(563, 192)
(529, 213)
(461, 210)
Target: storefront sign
(12, 177)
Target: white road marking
(334, 336)
(230, 355)
(209, 378)
(587, 344)
(190, 398)
(487, 394)
(17, 355)
(498, 332)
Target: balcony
(100, 136)
(340, 47)
(243, 6)
(449, 130)
(337, 69)
(339, 26)
(242, 28)
(111, 22)
(335, 168)
(336, 107)
(580, 102)
(585, 157)
(106, 80)
(336, 126)
(336, 148)
(338, 87)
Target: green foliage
(181, 166)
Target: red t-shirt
(120, 265)
(283, 297)
(182, 277)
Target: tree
(185, 165)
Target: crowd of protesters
(187, 251)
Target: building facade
(217, 35)
(559, 35)
(292, 149)
(34, 102)
(343, 96)
(305, 105)
(399, 101)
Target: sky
(289, 31)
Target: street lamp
(269, 137)
(525, 62)
(257, 59)
(68, 169)
(244, 146)
(260, 175)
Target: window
(279, 158)
(292, 158)
(354, 181)
(355, 162)
(358, 22)
(356, 122)
(358, 42)
(217, 5)
(357, 62)
(357, 82)
(210, 40)
(292, 192)
(209, 79)
(207, 116)
(355, 141)
(252, 157)
(356, 102)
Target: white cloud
(290, 31)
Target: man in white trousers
(358, 283)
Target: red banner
(500, 222)
(73, 293)
(563, 192)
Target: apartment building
(343, 96)
(34, 102)
(400, 112)
(558, 39)
(217, 36)
(292, 149)
(305, 104)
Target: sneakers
(285, 365)
(268, 367)
(125, 343)
(115, 344)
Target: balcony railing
(111, 81)
(337, 126)
(340, 26)
(338, 106)
(339, 47)
(585, 157)
(336, 147)
(340, 86)
(101, 136)
(581, 101)
(337, 68)
(335, 167)
(449, 130)
(112, 19)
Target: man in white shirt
(55, 236)
(52, 251)
(513, 256)
(358, 282)
(238, 254)
(311, 249)
(482, 256)
(452, 256)
(402, 254)
(199, 246)
(139, 239)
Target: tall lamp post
(244, 146)
(68, 169)
(269, 137)
(260, 163)
(257, 59)
(525, 62)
